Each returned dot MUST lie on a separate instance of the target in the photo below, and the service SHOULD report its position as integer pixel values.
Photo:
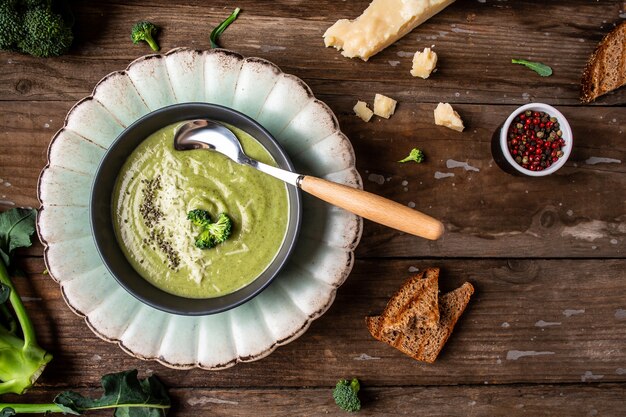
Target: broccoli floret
(211, 234)
(221, 229)
(415, 155)
(10, 24)
(34, 27)
(145, 31)
(346, 395)
(199, 217)
(45, 33)
(32, 4)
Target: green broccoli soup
(158, 186)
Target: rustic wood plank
(557, 321)
(577, 212)
(576, 400)
(471, 69)
(541, 337)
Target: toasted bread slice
(606, 69)
(423, 308)
(424, 344)
(416, 298)
(421, 342)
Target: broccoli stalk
(346, 395)
(21, 359)
(211, 234)
(219, 29)
(415, 155)
(145, 31)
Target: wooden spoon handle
(374, 207)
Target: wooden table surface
(545, 333)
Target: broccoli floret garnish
(211, 234)
(346, 395)
(199, 217)
(415, 155)
(35, 27)
(145, 31)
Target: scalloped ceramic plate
(303, 290)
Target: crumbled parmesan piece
(384, 106)
(424, 63)
(364, 112)
(446, 116)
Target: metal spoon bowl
(207, 134)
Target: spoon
(206, 134)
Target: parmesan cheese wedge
(384, 106)
(424, 63)
(361, 110)
(380, 25)
(446, 116)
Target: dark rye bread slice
(606, 68)
(415, 300)
(421, 342)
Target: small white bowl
(563, 125)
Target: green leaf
(222, 27)
(538, 67)
(16, 227)
(131, 396)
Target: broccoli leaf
(130, 396)
(538, 67)
(16, 227)
(219, 29)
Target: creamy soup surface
(158, 186)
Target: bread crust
(606, 69)
(410, 298)
(420, 341)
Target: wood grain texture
(544, 334)
(577, 212)
(576, 400)
(559, 321)
(289, 33)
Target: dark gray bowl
(101, 209)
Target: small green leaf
(219, 29)
(130, 396)
(16, 227)
(538, 67)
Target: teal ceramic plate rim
(322, 259)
